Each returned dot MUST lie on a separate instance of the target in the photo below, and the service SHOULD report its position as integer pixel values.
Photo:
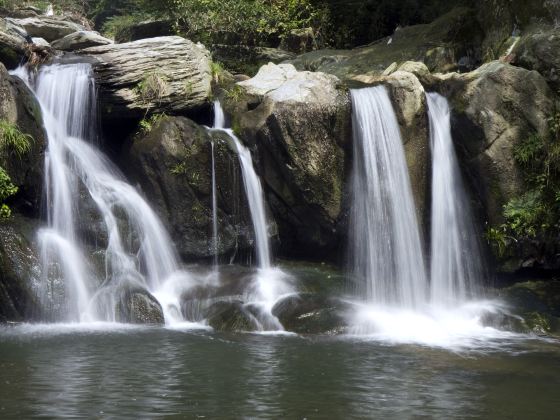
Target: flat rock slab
(127, 73)
(49, 28)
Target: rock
(166, 74)
(309, 313)
(172, 164)
(537, 303)
(538, 50)
(299, 123)
(20, 108)
(417, 68)
(248, 59)
(20, 271)
(137, 306)
(50, 28)
(231, 316)
(12, 44)
(439, 45)
(299, 41)
(80, 40)
(145, 29)
(41, 42)
(493, 109)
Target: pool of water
(107, 371)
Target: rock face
(299, 123)
(172, 163)
(79, 40)
(50, 28)
(166, 74)
(19, 270)
(19, 107)
(494, 108)
(439, 45)
(12, 44)
(538, 51)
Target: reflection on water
(137, 371)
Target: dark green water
(154, 372)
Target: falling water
(455, 255)
(214, 210)
(139, 252)
(386, 251)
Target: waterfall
(386, 251)
(214, 210)
(139, 252)
(455, 255)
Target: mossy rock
(231, 316)
(139, 307)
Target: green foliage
(116, 26)
(152, 87)
(217, 71)
(235, 94)
(148, 124)
(179, 169)
(7, 189)
(536, 213)
(13, 140)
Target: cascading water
(138, 252)
(386, 251)
(387, 258)
(214, 210)
(270, 282)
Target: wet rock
(20, 108)
(80, 40)
(298, 124)
(172, 163)
(310, 313)
(165, 74)
(13, 42)
(50, 28)
(139, 307)
(231, 316)
(19, 270)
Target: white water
(386, 251)
(455, 255)
(388, 263)
(270, 283)
(214, 211)
(139, 251)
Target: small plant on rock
(152, 88)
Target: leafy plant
(147, 124)
(235, 94)
(7, 189)
(152, 88)
(13, 140)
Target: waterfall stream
(455, 255)
(81, 181)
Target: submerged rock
(299, 124)
(19, 270)
(172, 163)
(231, 316)
(80, 40)
(139, 307)
(165, 74)
(50, 28)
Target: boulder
(172, 163)
(41, 42)
(231, 316)
(538, 50)
(493, 109)
(50, 28)
(247, 59)
(143, 30)
(165, 74)
(19, 107)
(13, 42)
(20, 271)
(137, 306)
(439, 45)
(80, 40)
(299, 126)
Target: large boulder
(20, 271)
(299, 125)
(137, 306)
(20, 109)
(13, 42)
(143, 30)
(172, 162)
(440, 45)
(493, 109)
(79, 40)
(50, 28)
(165, 74)
(538, 50)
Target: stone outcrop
(49, 28)
(13, 42)
(172, 164)
(165, 74)
(299, 124)
(80, 40)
